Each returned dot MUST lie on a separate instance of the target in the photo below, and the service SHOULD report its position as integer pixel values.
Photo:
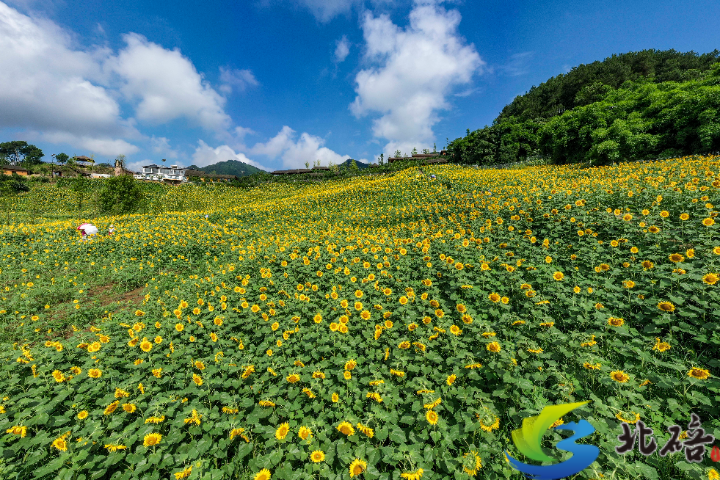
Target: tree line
(630, 106)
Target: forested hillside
(630, 106)
(228, 167)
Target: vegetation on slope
(632, 106)
(410, 333)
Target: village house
(171, 174)
(83, 161)
(10, 169)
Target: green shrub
(120, 195)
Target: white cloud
(342, 49)
(238, 79)
(294, 154)
(241, 132)
(138, 166)
(206, 155)
(466, 93)
(326, 10)
(404, 147)
(161, 146)
(519, 64)
(276, 145)
(96, 144)
(49, 86)
(61, 92)
(410, 73)
(309, 149)
(237, 138)
(167, 85)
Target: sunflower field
(384, 327)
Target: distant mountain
(346, 164)
(228, 167)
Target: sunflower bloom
(666, 306)
(263, 474)
(472, 463)
(616, 322)
(346, 428)
(636, 417)
(282, 431)
(151, 439)
(661, 346)
(490, 423)
(357, 467)
(699, 373)
(416, 475)
(317, 456)
(494, 347)
(304, 433)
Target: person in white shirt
(87, 230)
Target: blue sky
(277, 83)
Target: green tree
(382, 159)
(62, 158)
(10, 186)
(81, 187)
(353, 166)
(120, 195)
(20, 152)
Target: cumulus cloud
(61, 92)
(294, 153)
(167, 85)
(276, 145)
(410, 73)
(241, 132)
(97, 144)
(49, 86)
(205, 155)
(236, 79)
(342, 49)
(161, 146)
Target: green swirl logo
(527, 439)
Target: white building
(172, 174)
